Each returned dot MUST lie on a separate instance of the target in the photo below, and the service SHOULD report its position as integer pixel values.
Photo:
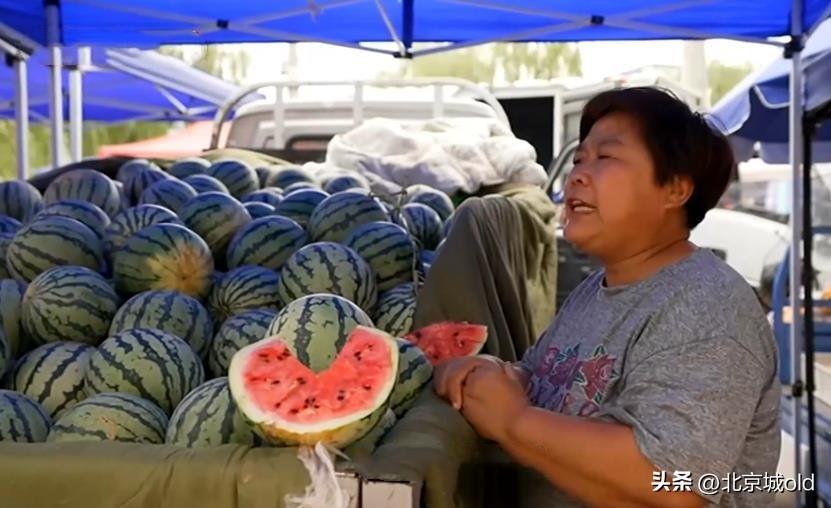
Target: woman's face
(614, 208)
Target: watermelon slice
(287, 403)
(445, 340)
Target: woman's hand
(449, 376)
(494, 398)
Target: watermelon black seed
(367, 387)
(456, 333)
(275, 381)
(277, 406)
(301, 380)
(341, 395)
(294, 411)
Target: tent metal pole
(807, 282)
(795, 147)
(21, 113)
(76, 107)
(53, 25)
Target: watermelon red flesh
(279, 383)
(445, 340)
(289, 404)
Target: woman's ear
(679, 191)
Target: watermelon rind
(336, 432)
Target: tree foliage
(722, 78)
(497, 63)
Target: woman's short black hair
(680, 142)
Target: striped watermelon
(435, 199)
(327, 267)
(164, 256)
(345, 182)
(300, 205)
(388, 249)
(284, 176)
(5, 240)
(111, 417)
(85, 185)
(208, 417)
(70, 303)
(53, 375)
(258, 210)
(11, 300)
(53, 241)
(216, 217)
(188, 167)
(6, 358)
(366, 445)
(20, 200)
(424, 224)
(414, 373)
(237, 176)
(9, 225)
(146, 362)
(396, 309)
(266, 242)
(84, 212)
(244, 288)
(237, 332)
(133, 167)
(205, 183)
(269, 196)
(132, 220)
(316, 327)
(171, 194)
(21, 419)
(142, 180)
(337, 216)
(168, 311)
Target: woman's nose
(577, 175)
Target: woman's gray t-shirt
(685, 357)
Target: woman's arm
(596, 462)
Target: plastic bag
(323, 490)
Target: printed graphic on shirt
(565, 383)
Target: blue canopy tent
(118, 85)
(756, 110)
(452, 23)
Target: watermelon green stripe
(235, 333)
(162, 367)
(207, 417)
(111, 417)
(22, 419)
(53, 375)
(316, 327)
(53, 241)
(69, 303)
(266, 242)
(169, 311)
(326, 267)
(244, 288)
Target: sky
(599, 59)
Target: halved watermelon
(289, 404)
(445, 340)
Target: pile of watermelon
(215, 303)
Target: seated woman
(661, 367)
